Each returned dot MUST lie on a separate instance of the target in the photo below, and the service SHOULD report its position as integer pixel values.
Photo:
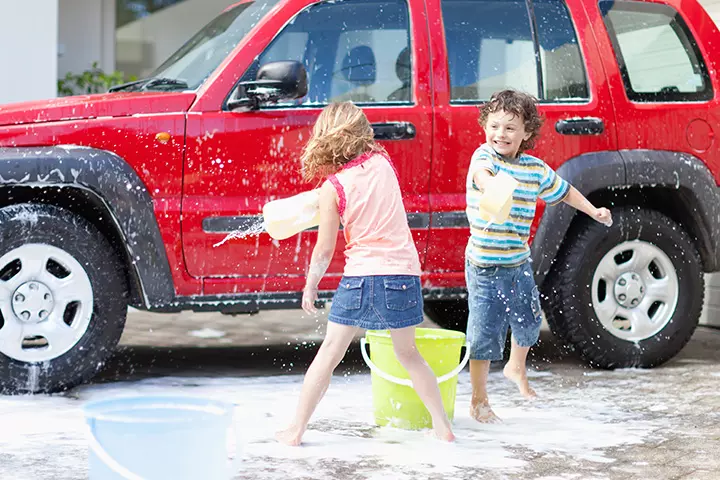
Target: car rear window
(658, 57)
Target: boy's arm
(324, 247)
(481, 176)
(482, 166)
(578, 201)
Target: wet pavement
(662, 423)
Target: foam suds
(572, 423)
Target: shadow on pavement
(137, 362)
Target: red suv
(122, 198)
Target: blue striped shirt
(506, 244)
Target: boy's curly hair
(341, 133)
(516, 103)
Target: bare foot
(483, 413)
(444, 433)
(443, 436)
(519, 377)
(291, 436)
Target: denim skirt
(378, 302)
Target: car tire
(63, 299)
(629, 295)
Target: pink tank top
(377, 235)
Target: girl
(380, 288)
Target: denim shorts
(378, 302)
(498, 298)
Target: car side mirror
(275, 81)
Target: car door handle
(394, 131)
(580, 126)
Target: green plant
(94, 80)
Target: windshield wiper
(148, 83)
(127, 85)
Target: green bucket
(395, 402)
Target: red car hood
(92, 106)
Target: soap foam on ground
(573, 423)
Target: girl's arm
(578, 201)
(325, 246)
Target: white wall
(28, 50)
(713, 9)
(86, 35)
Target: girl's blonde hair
(341, 133)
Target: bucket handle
(126, 474)
(106, 458)
(404, 381)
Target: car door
(542, 47)
(357, 50)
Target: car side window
(493, 44)
(490, 47)
(356, 50)
(658, 57)
(562, 64)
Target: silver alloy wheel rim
(635, 290)
(46, 302)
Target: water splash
(250, 230)
(33, 378)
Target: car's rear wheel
(629, 295)
(63, 299)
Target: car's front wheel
(63, 299)
(629, 295)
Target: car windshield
(195, 61)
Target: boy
(501, 288)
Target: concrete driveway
(588, 424)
